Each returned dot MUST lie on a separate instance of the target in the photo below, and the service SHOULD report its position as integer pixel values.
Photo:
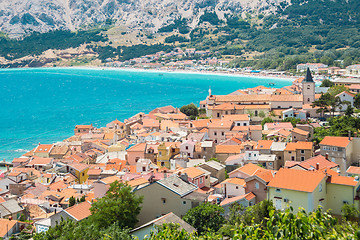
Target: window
(238, 124)
(257, 185)
(256, 113)
(144, 169)
(222, 133)
(279, 107)
(278, 190)
(83, 174)
(201, 180)
(292, 158)
(215, 133)
(264, 164)
(302, 159)
(308, 86)
(334, 148)
(320, 187)
(162, 164)
(302, 151)
(308, 99)
(237, 187)
(187, 148)
(249, 154)
(270, 163)
(218, 114)
(163, 200)
(244, 124)
(184, 202)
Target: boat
(271, 84)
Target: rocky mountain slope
(17, 17)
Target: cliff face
(17, 17)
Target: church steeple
(308, 77)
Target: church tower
(308, 88)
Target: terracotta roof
(95, 172)
(335, 141)
(217, 123)
(59, 185)
(299, 146)
(236, 117)
(79, 166)
(43, 148)
(353, 170)
(278, 125)
(342, 180)
(140, 147)
(83, 126)
(287, 98)
(265, 174)
(249, 196)
(20, 160)
(200, 123)
(40, 161)
(249, 169)
(6, 225)
(193, 172)
(137, 181)
(297, 180)
(236, 181)
(243, 98)
(344, 92)
(151, 123)
(110, 179)
(232, 149)
(323, 163)
(300, 131)
(264, 144)
(79, 211)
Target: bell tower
(308, 88)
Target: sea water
(44, 104)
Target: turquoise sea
(44, 104)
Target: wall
(232, 190)
(261, 192)
(153, 206)
(335, 200)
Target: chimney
(327, 156)
(349, 134)
(317, 166)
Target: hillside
(264, 34)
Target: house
(314, 67)
(222, 152)
(245, 200)
(187, 148)
(151, 124)
(353, 70)
(135, 153)
(148, 228)
(257, 182)
(10, 209)
(233, 187)
(197, 176)
(297, 188)
(341, 150)
(59, 151)
(20, 161)
(353, 171)
(43, 150)
(238, 119)
(17, 176)
(347, 99)
(171, 194)
(349, 189)
(166, 151)
(216, 169)
(318, 162)
(79, 171)
(298, 134)
(298, 151)
(218, 128)
(75, 213)
(101, 186)
(245, 171)
(83, 129)
(8, 228)
(278, 125)
(40, 163)
(278, 148)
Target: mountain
(18, 17)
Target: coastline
(170, 71)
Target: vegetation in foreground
(115, 214)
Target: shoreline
(167, 71)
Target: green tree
(261, 114)
(190, 110)
(349, 212)
(327, 83)
(357, 100)
(266, 120)
(120, 205)
(335, 90)
(205, 217)
(72, 201)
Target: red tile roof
(335, 141)
(79, 211)
(297, 180)
(249, 196)
(342, 180)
